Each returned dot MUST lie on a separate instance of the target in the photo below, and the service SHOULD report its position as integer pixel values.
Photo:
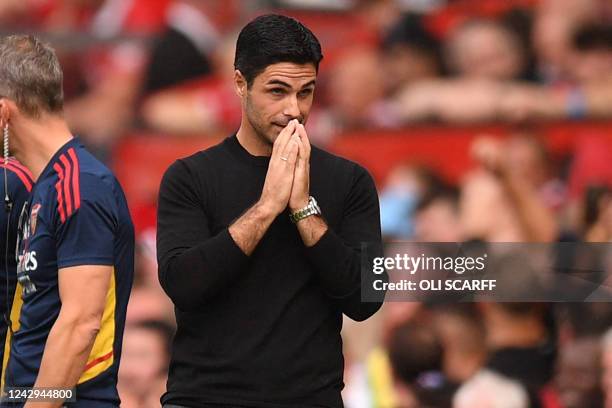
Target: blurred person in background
(572, 49)
(578, 381)
(485, 50)
(410, 54)
(185, 50)
(351, 103)
(406, 370)
(149, 304)
(482, 55)
(377, 15)
(583, 88)
(425, 352)
(521, 343)
(598, 214)
(490, 390)
(592, 46)
(572, 324)
(463, 337)
(203, 106)
(554, 25)
(406, 184)
(103, 104)
(416, 354)
(144, 364)
(437, 217)
(509, 197)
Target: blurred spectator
(490, 390)
(410, 54)
(572, 322)
(521, 343)
(416, 353)
(185, 49)
(405, 186)
(371, 382)
(573, 52)
(207, 105)
(437, 216)
(593, 53)
(112, 74)
(578, 380)
(509, 198)
(377, 15)
(554, 25)
(463, 338)
(351, 98)
(484, 49)
(144, 363)
(149, 304)
(598, 214)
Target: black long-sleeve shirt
(261, 330)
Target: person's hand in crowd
(458, 101)
(520, 102)
(279, 179)
(180, 112)
(488, 152)
(513, 194)
(301, 181)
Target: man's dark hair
(30, 75)
(273, 38)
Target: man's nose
(292, 108)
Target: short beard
(252, 117)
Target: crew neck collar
(234, 145)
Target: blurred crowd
(439, 353)
(166, 67)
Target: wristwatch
(311, 209)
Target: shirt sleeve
(194, 265)
(341, 257)
(85, 228)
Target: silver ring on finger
(284, 158)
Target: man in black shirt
(259, 270)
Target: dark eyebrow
(278, 82)
(286, 85)
(311, 83)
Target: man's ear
(240, 84)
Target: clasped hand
(288, 179)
